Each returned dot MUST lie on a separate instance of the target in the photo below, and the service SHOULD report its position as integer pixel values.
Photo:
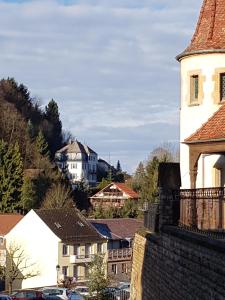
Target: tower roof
(209, 36)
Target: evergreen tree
(27, 195)
(118, 167)
(54, 136)
(11, 174)
(41, 144)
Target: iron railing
(203, 208)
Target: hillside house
(78, 162)
(113, 195)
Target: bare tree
(18, 266)
(58, 196)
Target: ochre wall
(177, 265)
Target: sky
(109, 64)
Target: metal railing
(203, 208)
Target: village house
(119, 234)
(113, 195)
(59, 242)
(7, 222)
(78, 162)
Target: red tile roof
(117, 228)
(213, 129)
(209, 33)
(126, 189)
(8, 221)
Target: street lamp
(57, 270)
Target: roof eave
(179, 57)
(203, 141)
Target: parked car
(123, 285)
(27, 295)
(76, 296)
(5, 297)
(82, 290)
(62, 293)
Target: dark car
(27, 295)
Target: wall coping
(196, 238)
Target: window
(65, 250)
(65, 270)
(114, 268)
(75, 271)
(124, 268)
(74, 166)
(87, 250)
(76, 249)
(1, 241)
(99, 248)
(222, 86)
(194, 89)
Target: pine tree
(41, 144)
(27, 195)
(118, 167)
(54, 137)
(11, 174)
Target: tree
(18, 266)
(11, 177)
(27, 195)
(58, 196)
(118, 167)
(41, 144)
(54, 136)
(98, 279)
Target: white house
(59, 243)
(202, 114)
(78, 162)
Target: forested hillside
(29, 137)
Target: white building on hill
(78, 162)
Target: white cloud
(109, 64)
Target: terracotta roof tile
(118, 228)
(8, 221)
(209, 33)
(213, 129)
(127, 190)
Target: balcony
(203, 208)
(119, 254)
(76, 259)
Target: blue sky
(109, 64)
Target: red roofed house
(202, 114)
(113, 195)
(7, 222)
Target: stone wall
(177, 265)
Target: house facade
(60, 244)
(113, 195)
(78, 162)
(120, 234)
(7, 222)
(202, 133)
